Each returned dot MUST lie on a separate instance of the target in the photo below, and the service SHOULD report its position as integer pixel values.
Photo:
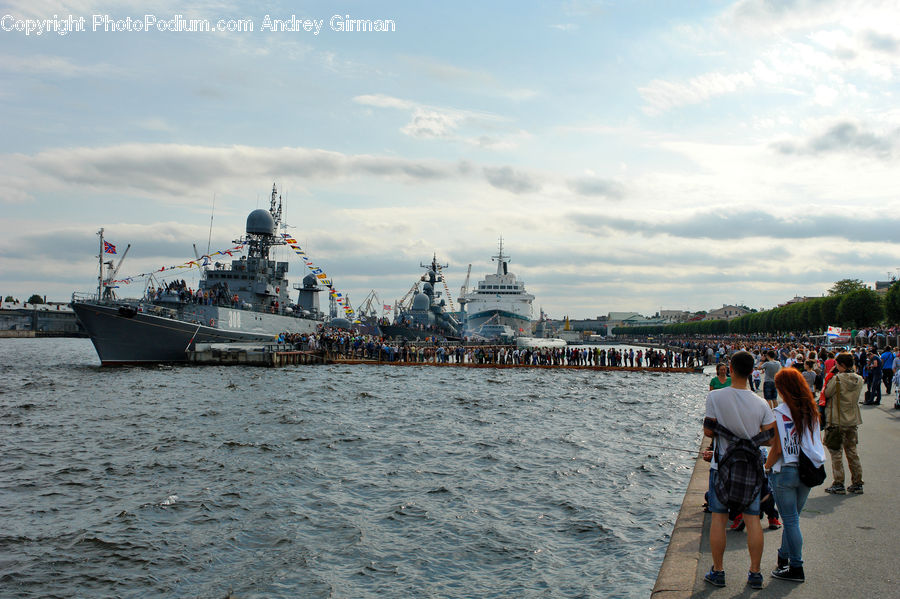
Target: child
(755, 379)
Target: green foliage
(892, 304)
(9, 298)
(845, 286)
(860, 308)
(828, 309)
(35, 299)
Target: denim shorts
(769, 391)
(716, 507)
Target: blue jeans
(790, 496)
(769, 391)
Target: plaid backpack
(741, 476)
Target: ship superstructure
(247, 300)
(498, 299)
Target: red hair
(795, 392)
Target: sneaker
(782, 563)
(715, 577)
(836, 489)
(856, 489)
(792, 573)
(774, 524)
(754, 579)
(738, 523)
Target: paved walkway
(851, 543)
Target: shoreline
(678, 571)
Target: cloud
(775, 16)
(595, 186)
(847, 137)
(729, 224)
(435, 122)
(178, 170)
(883, 42)
(511, 180)
(661, 96)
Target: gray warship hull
(124, 333)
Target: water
(335, 481)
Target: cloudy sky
(633, 155)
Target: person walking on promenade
(745, 414)
(887, 368)
(721, 380)
(842, 409)
(770, 366)
(796, 428)
(873, 378)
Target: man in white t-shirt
(745, 414)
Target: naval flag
(108, 248)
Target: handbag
(834, 439)
(809, 474)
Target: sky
(634, 156)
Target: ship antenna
(211, 214)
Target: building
(673, 316)
(728, 312)
(881, 287)
(52, 319)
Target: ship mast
(501, 259)
(100, 275)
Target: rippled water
(335, 481)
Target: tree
(9, 299)
(860, 308)
(845, 286)
(35, 299)
(892, 304)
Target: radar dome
(310, 280)
(428, 288)
(421, 302)
(260, 222)
(340, 323)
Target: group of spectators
(345, 344)
(217, 295)
(819, 390)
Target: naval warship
(249, 301)
(426, 316)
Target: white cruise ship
(499, 299)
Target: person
(745, 414)
(755, 379)
(842, 409)
(770, 367)
(887, 368)
(721, 380)
(797, 427)
(809, 373)
(873, 378)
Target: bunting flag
(204, 260)
(320, 274)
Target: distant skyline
(635, 156)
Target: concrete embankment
(850, 542)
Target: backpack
(740, 476)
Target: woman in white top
(796, 427)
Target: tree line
(852, 306)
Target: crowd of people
(811, 399)
(350, 345)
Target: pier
(277, 355)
